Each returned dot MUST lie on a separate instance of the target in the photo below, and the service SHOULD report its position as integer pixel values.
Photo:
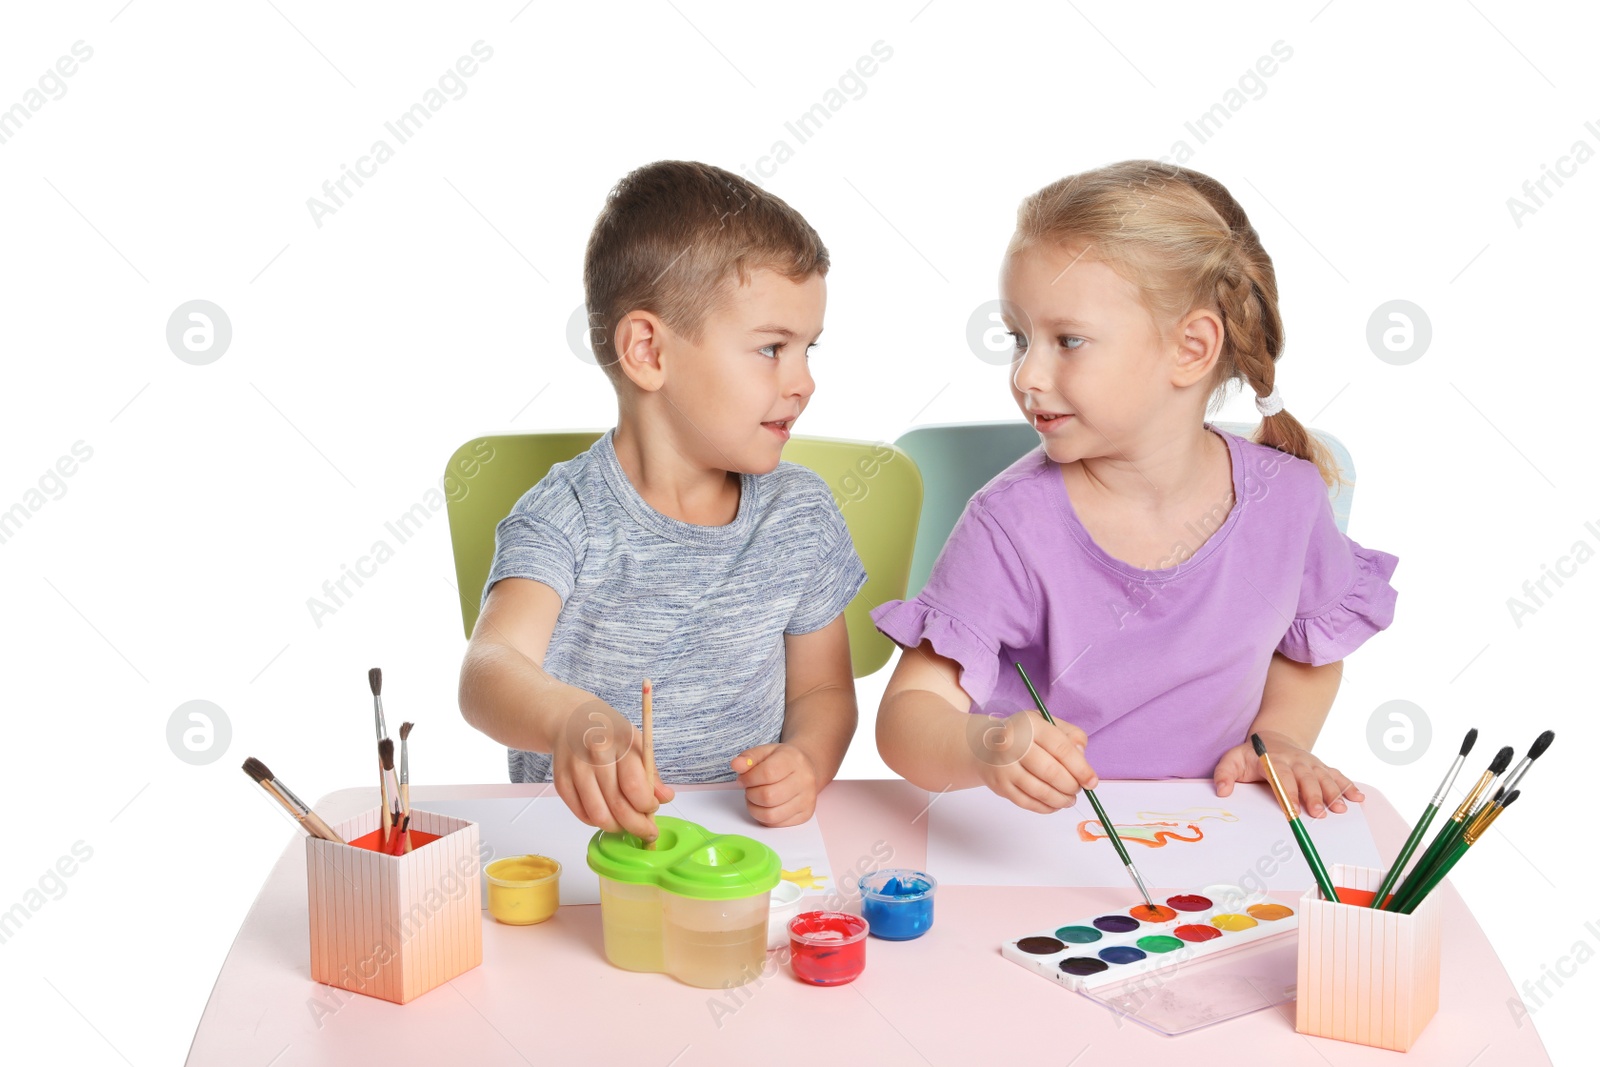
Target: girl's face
(1088, 371)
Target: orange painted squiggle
(1160, 828)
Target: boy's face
(739, 389)
(1087, 350)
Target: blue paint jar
(897, 903)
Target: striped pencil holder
(1367, 976)
(394, 927)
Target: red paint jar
(827, 947)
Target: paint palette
(1106, 949)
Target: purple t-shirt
(1163, 669)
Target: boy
(678, 548)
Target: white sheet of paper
(976, 837)
(516, 826)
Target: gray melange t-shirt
(699, 610)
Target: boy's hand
(780, 784)
(1030, 762)
(599, 772)
(1312, 786)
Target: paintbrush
(375, 682)
(1094, 801)
(1450, 832)
(1535, 750)
(301, 811)
(1313, 860)
(647, 723)
(405, 783)
(1423, 823)
(387, 789)
(1469, 837)
(1419, 881)
(402, 837)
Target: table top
(546, 993)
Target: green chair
(875, 485)
(958, 459)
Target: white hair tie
(1270, 404)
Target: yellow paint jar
(523, 890)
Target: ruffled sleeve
(978, 599)
(1345, 595)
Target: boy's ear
(1199, 345)
(639, 338)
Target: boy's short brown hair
(671, 239)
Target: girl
(1170, 588)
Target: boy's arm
(504, 689)
(1294, 704)
(505, 692)
(820, 700)
(781, 781)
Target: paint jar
(897, 902)
(785, 905)
(696, 906)
(827, 947)
(1367, 976)
(523, 890)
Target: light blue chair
(958, 459)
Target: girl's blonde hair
(1182, 239)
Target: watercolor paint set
(1118, 945)
(1176, 966)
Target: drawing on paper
(1155, 828)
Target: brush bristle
(256, 769)
(1541, 744)
(1259, 745)
(375, 680)
(405, 730)
(1515, 793)
(1498, 793)
(1471, 739)
(1502, 760)
(386, 753)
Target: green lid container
(687, 860)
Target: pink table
(545, 993)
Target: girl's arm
(928, 736)
(1294, 704)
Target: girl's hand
(780, 784)
(1312, 786)
(1033, 764)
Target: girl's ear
(639, 338)
(1200, 337)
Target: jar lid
(622, 857)
(687, 860)
(726, 867)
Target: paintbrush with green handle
(1423, 823)
(1450, 832)
(1469, 837)
(1099, 812)
(1307, 849)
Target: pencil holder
(394, 927)
(1365, 975)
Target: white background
(176, 563)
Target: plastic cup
(784, 905)
(523, 890)
(897, 902)
(827, 947)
